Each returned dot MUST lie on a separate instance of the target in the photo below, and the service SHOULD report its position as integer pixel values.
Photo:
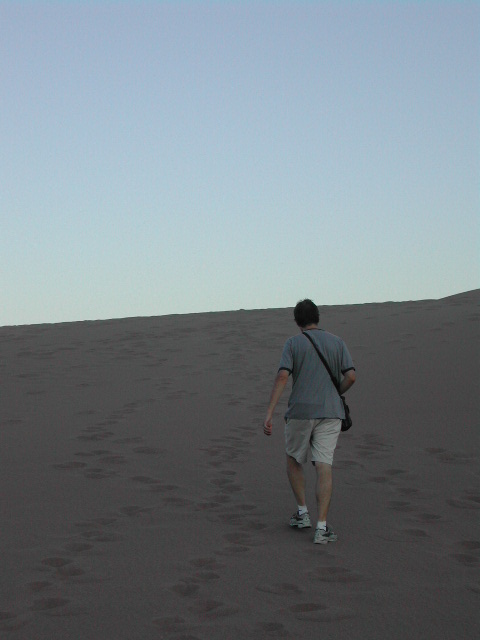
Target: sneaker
(322, 536)
(300, 521)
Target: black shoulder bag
(347, 422)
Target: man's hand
(267, 426)
(347, 381)
(278, 387)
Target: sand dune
(140, 499)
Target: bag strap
(325, 363)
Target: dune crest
(140, 498)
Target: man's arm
(348, 380)
(278, 387)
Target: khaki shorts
(317, 436)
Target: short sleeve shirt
(313, 392)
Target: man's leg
(297, 479)
(323, 489)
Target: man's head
(305, 313)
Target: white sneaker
(300, 521)
(323, 536)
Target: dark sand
(141, 500)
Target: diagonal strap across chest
(325, 363)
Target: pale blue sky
(177, 157)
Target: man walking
(315, 411)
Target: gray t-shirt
(313, 393)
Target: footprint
(70, 571)
(250, 525)
(307, 607)
(65, 611)
(206, 576)
(99, 474)
(185, 589)
(336, 574)
(273, 629)
(37, 585)
(133, 510)
(221, 498)
(11, 621)
(471, 545)
(242, 539)
(45, 604)
(96, 437)
(469, 500)
(465, 559)
(213, 609)
(12, 422)
(400, 505)
(98, 536)
(149, 451)
(233, 550)
(232, 488)
(67, 466)
(113, 460)
(246, 507)
(318, 612)
(215, 464)
(176, 502)
(428, 517)
(78, 547)
(56, 562)
(144, 480)
(280, 589)
(170, 624)
(104, 521)
(6, 615)
(163, 488)
(450, 457)
(231, 518)
(207, 563)
(372, 451)
(207, 506)
(220, 482)
(348, 464)
(408, 491)
(417, 533)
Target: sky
(182, 157)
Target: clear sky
(177, 157)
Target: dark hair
(305, 313)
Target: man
(315, 411)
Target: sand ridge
(140, 498)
